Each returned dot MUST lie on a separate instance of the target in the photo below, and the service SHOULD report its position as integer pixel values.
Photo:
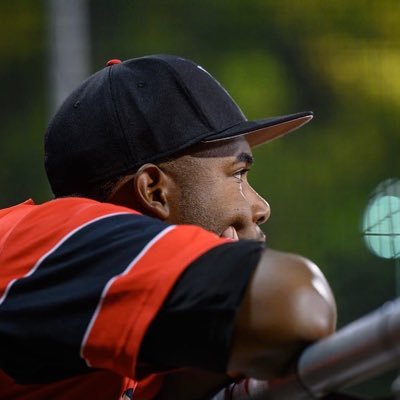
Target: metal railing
(361, 350)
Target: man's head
(161, 122)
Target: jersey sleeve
(80, 284)
(194, 327)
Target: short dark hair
(100, 191)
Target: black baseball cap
(144, 110)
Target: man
(147, 277)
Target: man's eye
(240, 174)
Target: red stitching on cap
(113, 61)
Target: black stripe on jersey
(45, 315)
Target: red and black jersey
(81, 283)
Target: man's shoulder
(61, 215)
(77, 204)
(65, 204)
(77, 208)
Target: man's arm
(287, 305)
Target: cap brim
(261, 131)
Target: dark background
(338, 58)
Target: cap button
(113, 61)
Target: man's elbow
(314, 315)
(314, 305)
(287, 305)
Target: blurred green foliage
(338, 58)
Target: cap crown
(130, 113)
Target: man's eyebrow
(245, 157)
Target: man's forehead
(224, 148)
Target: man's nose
(260, 209)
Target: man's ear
(152, 186)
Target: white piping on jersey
(41, 259)
(111, 281)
